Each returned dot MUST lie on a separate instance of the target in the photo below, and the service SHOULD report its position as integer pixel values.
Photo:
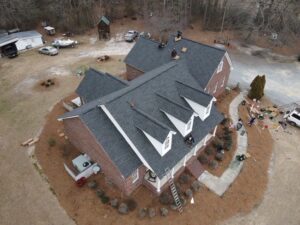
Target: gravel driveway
(283, 79)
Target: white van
(293, 117)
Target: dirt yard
(83, 205)
(24, 193)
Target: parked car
(62, 43)
(131, 35)
(293, 117)
(145, 35)
(48, 50)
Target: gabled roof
(173, 108)
(105, 20)
(193, 94)
(202, 60)
(138, 107)
(150, 125)
(96, 84)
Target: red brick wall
(80, 136)
(132, 73)
(218, 78)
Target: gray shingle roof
(202, 60)
(105, 20)
(193, 94)
(173, 108)
(96, 84)
(139, 106)
(150, 125)
(111, 140)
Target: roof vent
(184, 49)
(178, 36)
(161, 45)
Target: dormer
(180, 116)
(157, 133)
(161, 147)
(198, 100)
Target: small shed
(8, 45)
(104, 28)
(50, 30)
(28, 39)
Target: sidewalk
(219, 185)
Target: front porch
(190, 162)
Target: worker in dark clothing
(239, 124)
(174, 53)
(251, 121)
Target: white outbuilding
(28, 40)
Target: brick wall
(218, 78)
(80, 136)
(132, 73)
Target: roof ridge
(109, 75)
(172, 101)
(194, 88)
(151, 118)
(200, 43)
(137, 83)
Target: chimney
(161, 45)
(178, 36)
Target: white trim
(223, 82)
(184, 162)
(70, 117)
(172, 174)
(205, 140)
(158, 185)
(135, 173)
(119, 128)
(215, 130)
(229, 60)
(216, 87)
(220, 66)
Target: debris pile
(48, 83)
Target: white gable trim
(70, 117)
(160, 147)
(200, 110)
(122, 132)
(229, 60)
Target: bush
(104, 199)
(224, 121)
(166, 198)
(227, 130)
(213, 164)
(217, 143)
(51, 142)
(219, 156)
(203, 159)
(228, 145)
(257, 87)
(227, 137)
(131, 203)
(209, 151)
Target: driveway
(283, 79)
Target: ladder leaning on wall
(173, 190)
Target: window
(167, 143)
(216, 87)
(220, 67)
(296, 116)
(135, 176)
(223, 82)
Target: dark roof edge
(157, 122)
(202, 92)
(173, 102)
(111, 76)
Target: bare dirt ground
(25, 198)
(85, 207)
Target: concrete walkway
(220, 184)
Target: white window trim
(216, 87)
(220, 67)
(223, 82)
(136, 175)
